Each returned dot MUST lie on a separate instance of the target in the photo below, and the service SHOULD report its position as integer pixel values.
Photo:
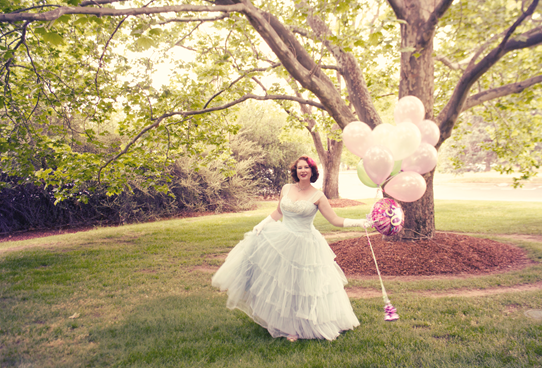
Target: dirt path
(368, 293)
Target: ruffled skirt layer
(288, 282)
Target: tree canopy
(70, 114)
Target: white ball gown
(286, 278)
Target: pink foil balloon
(388, 217)
(356, 137)
(408, 186)
(378, 163)
(430, 132)
(405, 140)
(409, 108)
(422, 161)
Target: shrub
(26, 206)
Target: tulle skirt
(288, 282)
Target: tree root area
(445, 254)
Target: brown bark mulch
(445, 254)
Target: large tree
(315, 46)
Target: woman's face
(304, 171)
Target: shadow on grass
(198, 331)
(187, 331)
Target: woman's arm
(328, 213)
(331, 216)
(273, 217)
(277, 213)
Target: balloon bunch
(395, 156)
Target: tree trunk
(332, 166)
(330, 157)
(417, 79)
(331, 161)
(419, 215)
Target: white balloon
(405, 140)
(423, 160)
(409, 108)
(430, 132)
(356, 137)
(381, 134)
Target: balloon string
(384, 294)
(378, 190)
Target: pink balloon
(409, 108)
(423, 160)
(378, 163)
(430, 132)
(407, 186)
(355, 137)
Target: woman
(283, 274)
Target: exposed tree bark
(502, 91)
(347, 65)
(329, 155)
(298, 62)
(417, 79)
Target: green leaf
(374, 38)
(53, 38)
(64, 19)
(155, 31)
(82, 20)
(145, 42)
(40, 31)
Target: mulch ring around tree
(445, 254)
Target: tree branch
(398, 7)
(187, 20)
(448, 116)
(298, 62)
(438, 12)
(525, 40)
(502, 91)
(427, 31)
(349, 69)
(449, 63)
(100, 12)
(100, 64)
(203, 111)
(100, 2)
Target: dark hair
(312, 165)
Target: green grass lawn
(137, 298)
